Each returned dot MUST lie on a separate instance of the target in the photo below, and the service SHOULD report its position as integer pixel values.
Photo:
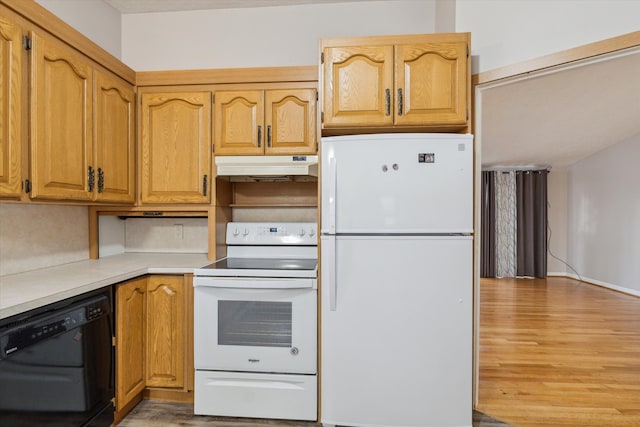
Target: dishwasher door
(57, 366)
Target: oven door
(244, 328)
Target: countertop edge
(25, 291)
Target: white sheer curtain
(506, 224)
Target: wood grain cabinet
(396, 82)
(154, 337)
(131, 321)
(175, 146)
(12, 68)
(114, 130)
(61, 122)
(166, 331)
(82, 128)
(265, 122)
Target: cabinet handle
(259, 136)
(91, 178)
(204, 184)
(387, 103)
(269, 136)
(100, 180)
(400, 102)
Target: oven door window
(255, 323)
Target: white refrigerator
(396, 280)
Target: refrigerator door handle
(330, 263)
(333, 178)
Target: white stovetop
(32, 289)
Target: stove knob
(312, 232)
(235, 233)
(301, 232)
(245, 233)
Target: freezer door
(396, 331)
(397, 183)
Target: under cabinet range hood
(267, 167)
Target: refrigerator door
(397, 183)
(397, 336)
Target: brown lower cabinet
(154, 340)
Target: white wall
(261, 37)
(505, 32)
(604, 216)
(94, 18)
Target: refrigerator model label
(426, 158)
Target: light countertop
(32, 289)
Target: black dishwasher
(56, 364)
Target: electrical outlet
(178, 231)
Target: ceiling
(148, 6)
(558, 118)
(552, 118)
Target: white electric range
(255, 324)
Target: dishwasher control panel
(48, 325)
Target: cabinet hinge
(213, 148)
(26, 42)
(322, 117)
(322, 57)
(26, 185)
(467, 51)
(113, 341)
(467, 114)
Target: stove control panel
(277, 233)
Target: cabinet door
(61, 107)
(290, 118)
(431, 84)
(176, 147)
(239, 122)
(114, 136)
(358, 85)
(166, 332)
(11, 73)
(130, 337)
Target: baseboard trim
(600, 283)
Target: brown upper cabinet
(11, 87)
(114, 130)
(271, 122)
(420, 82)
(175, 147)
(82, 136)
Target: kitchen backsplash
(166, 235)
(34, 236)
(37, 236)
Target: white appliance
(396, 275)
(255, 324)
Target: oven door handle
(253, 283)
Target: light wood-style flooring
(559, 352)
(150, 413)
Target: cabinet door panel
(166, 332)
(432, 78)
(130, 337)
(239, 122)
(290, 117)
(357, 86)
(60, 121)
(114, 136)
(11, 73)
(176, 147)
